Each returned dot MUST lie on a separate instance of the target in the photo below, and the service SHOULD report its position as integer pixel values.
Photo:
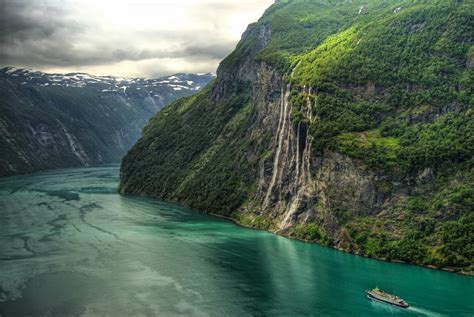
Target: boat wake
(393, 310)
(424, 312)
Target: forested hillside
(347, 123)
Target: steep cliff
(57, 120)
(347, 123)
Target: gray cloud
(53, 34)
(34, 33)
(21, 21)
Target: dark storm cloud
(21, 20)
(41, 34)
(34, 33)
(62, 34)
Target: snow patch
(11, 70)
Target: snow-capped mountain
(78, 119)
(177, 82)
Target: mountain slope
(347, 123)
(55, 120)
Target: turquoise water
(70, 245)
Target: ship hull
(370, 296)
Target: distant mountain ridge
(177, 82)
(77, 119)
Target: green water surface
(70, 245)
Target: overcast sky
(147, 38)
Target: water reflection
(71, 245)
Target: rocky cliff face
(325, 144)
(55, 120)
(293, 180)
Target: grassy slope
(392, 89)
(212, 166)
(382, 89)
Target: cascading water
(291, 173)
(302, 181)
(280, 135)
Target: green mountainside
(347, 123)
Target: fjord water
(70, 245)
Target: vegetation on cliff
(389, 84)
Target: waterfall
(309, 138)
(280, 135)
(297, 154)
(75, 146)
(152, 100)
(291, 174)
(302, 181)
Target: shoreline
(431, 267)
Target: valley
(67, 120)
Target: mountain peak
(108, 83)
